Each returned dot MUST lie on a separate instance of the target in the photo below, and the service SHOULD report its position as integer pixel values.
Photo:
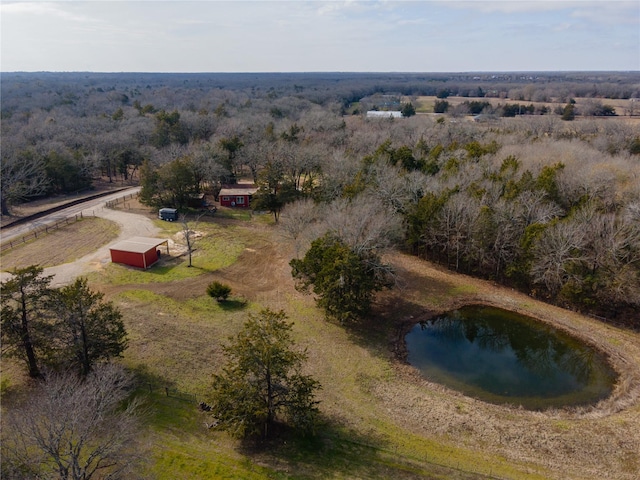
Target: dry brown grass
(63, 245)
(591, 442)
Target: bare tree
(300, 222)
(22, 176)
(364, 224)
(190, 234)
(337, 171)
(612, 255)
(457, 218)
(559, 246)
(73, 428)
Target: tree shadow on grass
(165, 406)
(330, 451)
(233, 305)
(338, 452)
(202, 269)
(162, 268)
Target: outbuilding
(384, 114)
(141, 252)
(237, 195)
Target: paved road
(130, 225)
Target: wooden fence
(38, 232)
(42, 231)
(123, 200)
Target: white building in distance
(383, 114)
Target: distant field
(623, 107)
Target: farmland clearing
(380, 418)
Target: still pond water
(502, 357)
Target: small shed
(237, 196)
(141, 252)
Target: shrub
(219, 291)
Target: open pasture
(380, 419)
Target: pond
(503, 357)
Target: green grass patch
(177, 341)
(182, 447)
(204, 461)
(463, 290)
(244, 215)
(217, 248)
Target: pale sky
(314, 36)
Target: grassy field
(380, 419)
(425, 104)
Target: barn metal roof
(238, 191)
(138, 244)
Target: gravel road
(130, 225)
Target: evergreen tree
(343, 280)
(262, 382)
(88, 329)
(274, 190)
(26, 325)
(150, 191)
(569, 112)
(219, 291)
(408, 110)
(440, 106)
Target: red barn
(141, 252)
(237, 195)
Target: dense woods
(543, 199)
